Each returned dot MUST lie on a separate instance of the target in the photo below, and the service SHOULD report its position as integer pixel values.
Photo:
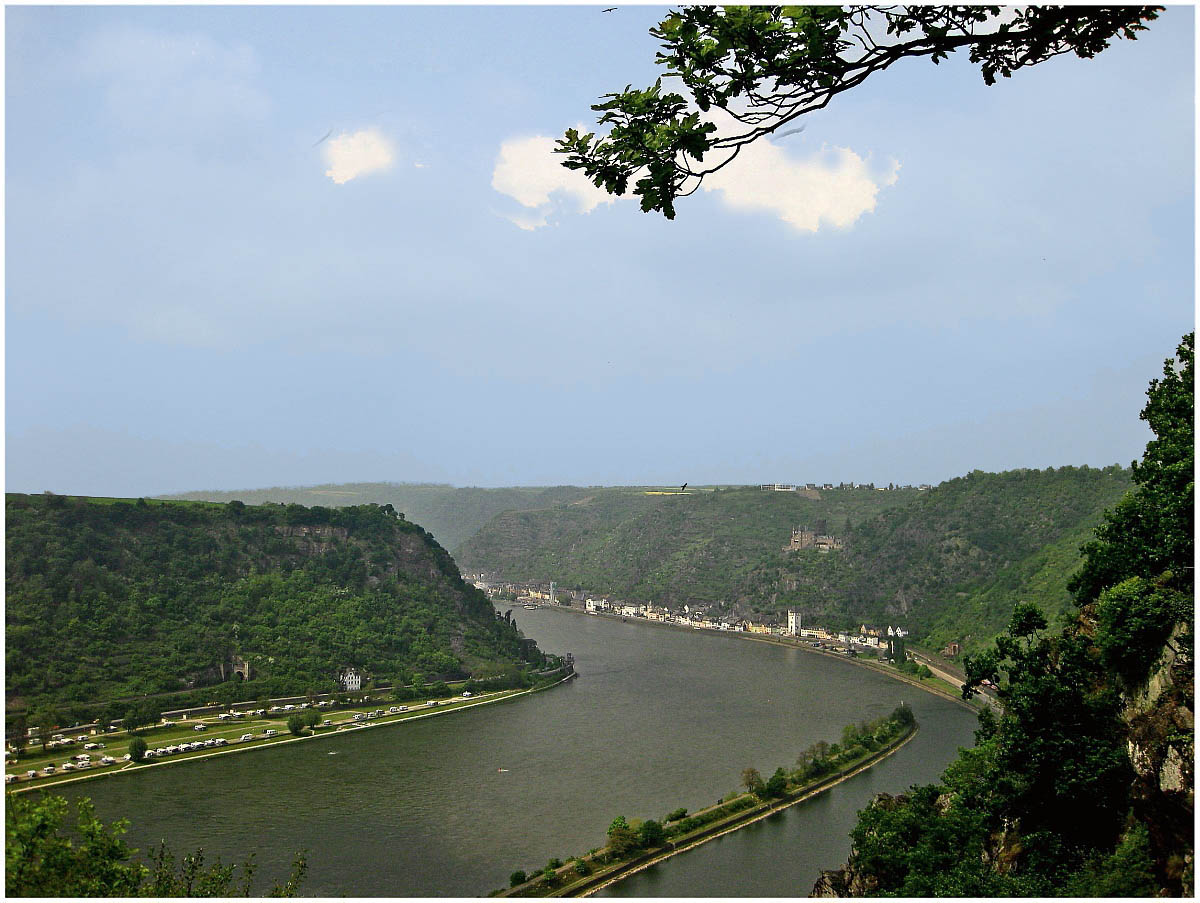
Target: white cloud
(832, 187)
(361, 153)
(530, 172)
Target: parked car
(200, 727)
(269, 732)
(466, 694)
(246, 737)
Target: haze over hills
(452, 514)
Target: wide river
(658, 718)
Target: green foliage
(1127, 872)
(1150, 533)
(651, 834)
(141, 714)
(312, 718)
(676, 814)
(766, 66)
(621, 838)
(517, 877)
(44, 859)
(1041, 805)
(1133, 620)
(110, 601)
(295, 724)
(776, 785)
(137, 749)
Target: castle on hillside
(804, 538)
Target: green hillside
(952, 565)
(112, 599)
(451, 514)
(674, 549)
(948, 563)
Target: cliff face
(1161, 740)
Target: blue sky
(935, 276)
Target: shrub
(517, 877)
(676, 814)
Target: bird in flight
(609, 10)
(791, 132)
(683, 487)
(323, 137)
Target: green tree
(517, 877)
(137, 749)
(621, 838)
(776, 785)
(42, 861)
(1049, 787)
(45, 720)
(43, 858)
(650, 833)
(312, 718)
(295, 724)
(140, 714)
(764, 67)
(1150, 533)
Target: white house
(351, 680)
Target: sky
(270, 246)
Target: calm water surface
(658, 718)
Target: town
(887, 642)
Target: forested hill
(111, 599)
(675, 548)
(952, 565)
(949, 562)
(452, 514)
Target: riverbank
(935, 686)
(341, 729)
(606, 876)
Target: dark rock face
(1161, 741)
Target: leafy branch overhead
(766, 66)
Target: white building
(350, 679)
(795, 620)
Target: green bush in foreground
(42, 859)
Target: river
(658, 718)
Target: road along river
(450, 806)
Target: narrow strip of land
(341, 729)
(740, 820)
